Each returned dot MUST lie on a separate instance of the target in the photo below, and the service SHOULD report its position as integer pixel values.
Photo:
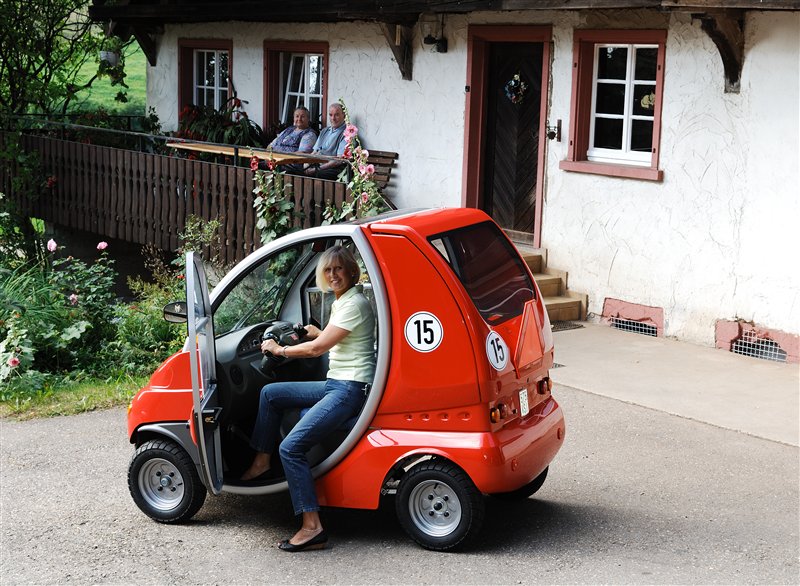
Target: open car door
(206, 409)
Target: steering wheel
(285, 334)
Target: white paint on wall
(715, 240)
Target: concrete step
(549, 285)
(534, 260)
(562, 308)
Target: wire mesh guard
(560, 326)
(636, 327)
(751, 345)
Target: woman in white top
(350, 338)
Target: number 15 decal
(496, 351)
(424, 331)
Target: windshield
(260, 295)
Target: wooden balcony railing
(146, 198)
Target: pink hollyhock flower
(370, 169)
(362, 169)
(52, 245)
(254, 163)
(102, 245)
(271, 164)
(350, 131)
(347, 152)
(365, 153)
(13, 362)
(364, 197)
(73, 299)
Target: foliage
(103, 120)
(367, 199)
(273, 209)
(102, 93)
(17, 242)
(43, 48)
(228, 125)
(24, 167)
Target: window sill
(625, 171)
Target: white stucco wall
(715, 240)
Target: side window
(295, 74)
(489, 268)
(205, 69)
(615, 111)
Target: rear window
(490, 269)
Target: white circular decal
(496, 351)
(424, 331)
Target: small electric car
(461, 404)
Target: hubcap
(161, 484)
(434, 508)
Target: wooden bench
(384, 162)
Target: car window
(490, 269)
(259, 296)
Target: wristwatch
(284, 351)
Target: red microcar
(460, 406)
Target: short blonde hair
(332, 255)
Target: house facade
(653, 153)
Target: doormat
(560, 326)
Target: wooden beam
(726, 29)
(399, 39)
(147, 44)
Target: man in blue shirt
(330, 142)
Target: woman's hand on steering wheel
(272, 347)
(312, 332)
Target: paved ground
(636, 496)
(750, 395)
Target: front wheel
(438, 505)
(164, 482)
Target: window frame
(187, 49)
(273, 99)
(585, 44)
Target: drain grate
(636, 327)
(751, 345)
(560, 326)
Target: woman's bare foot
(259, 466)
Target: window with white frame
(211, 78)
(623, 104)
(615, 108)
(301, 84)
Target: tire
(164, 482)
(524, 491)
(438, 506)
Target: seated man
(299, 138)
(331, 142)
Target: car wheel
(164, 482)
(438, 505)
(525, 491)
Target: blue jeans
(332, 403)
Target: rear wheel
(438, 505)
(525, 491)
(164, 483)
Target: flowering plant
(273, 208)
(515, 89)
(366, 197)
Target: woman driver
(350, 337)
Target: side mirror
(175, 312)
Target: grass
(70, 398)
(102, 93)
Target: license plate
(523, 402)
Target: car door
(205, 399)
